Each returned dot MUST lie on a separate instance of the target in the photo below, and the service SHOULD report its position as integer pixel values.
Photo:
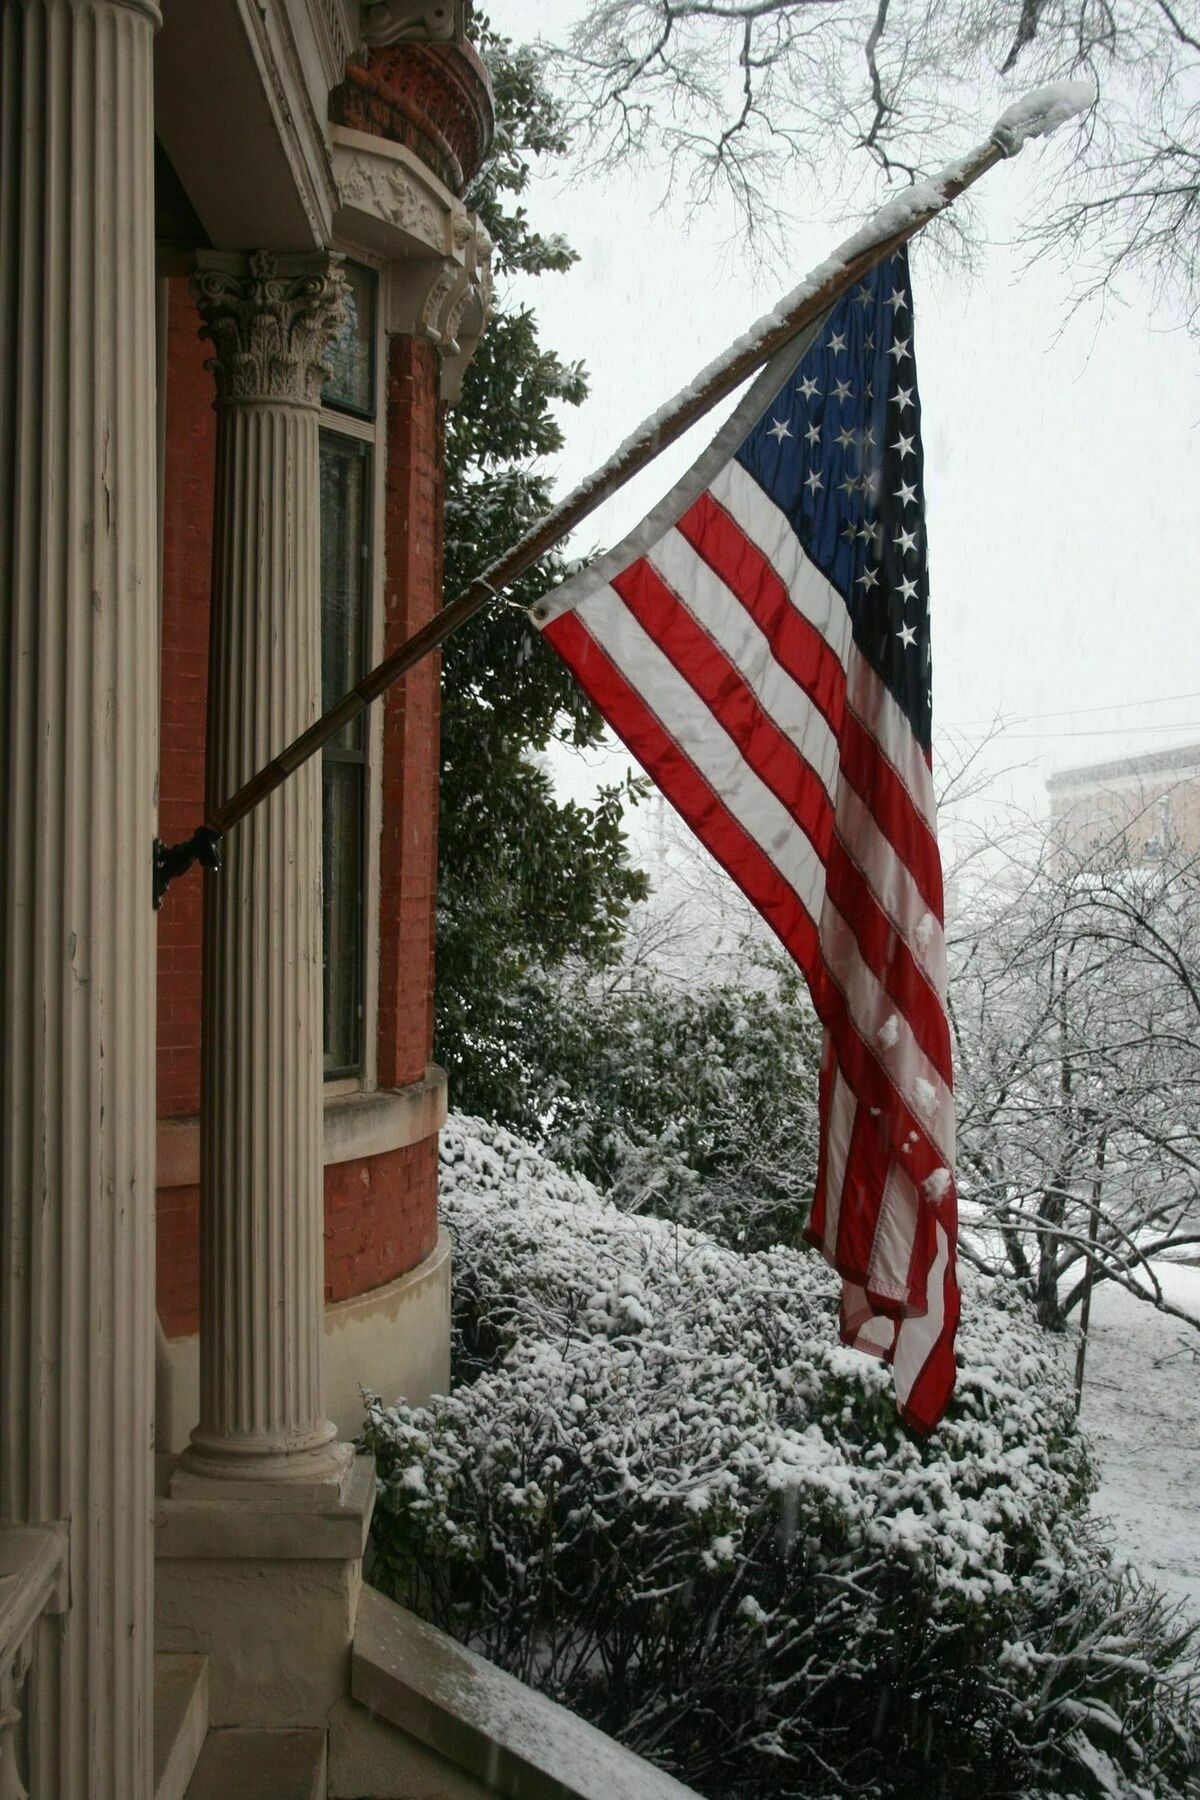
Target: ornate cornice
(389, 199)
(447, 302)
(271, 318)
(439, 283)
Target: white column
(78, 758)
(270, 318)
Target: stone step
(241, 1764)
(180, 1721)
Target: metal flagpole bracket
(170, 860)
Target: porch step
(180, 1721)
(239, 1764)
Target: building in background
(1136, 805)
(238, 287)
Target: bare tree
(1075, 1008)
(767, 98)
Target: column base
(275, 1481)
(268, 1593)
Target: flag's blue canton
(839, 451)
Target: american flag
(761, 644)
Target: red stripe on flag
(884, 794)
(866, 1171)
(889, 958)
(687, 789)
(795, 643)
(705, 667)
(929, 1394)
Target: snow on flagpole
(1036, 114)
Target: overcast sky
(1062, 461)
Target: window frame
(367, 428)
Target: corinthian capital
(271, 318)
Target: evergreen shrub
(663, 1494)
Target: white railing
(32, 1582)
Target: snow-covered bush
(690, 1100)
(664, 1494)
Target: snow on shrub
(663, 1493)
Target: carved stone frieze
(271, 318)
(387, 191)
(439, 282)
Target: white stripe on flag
(770, 531)
(880, 715)
(842, 1110)
(889, 880)
(888, 1271)
(917, 1337)
(887, 1033)
(721, 614)
(707, 745)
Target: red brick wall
(412, 594)
(380, 1219)
(380, 1213)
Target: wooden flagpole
(1039, 113)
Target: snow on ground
(1141, 1408)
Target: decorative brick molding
(413, 21)
(436, 100)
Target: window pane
(345, 569)
(352, 353)
(342, 858)
(345, 546)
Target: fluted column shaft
(261, 1167)
(78, 758)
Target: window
(347, 460)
